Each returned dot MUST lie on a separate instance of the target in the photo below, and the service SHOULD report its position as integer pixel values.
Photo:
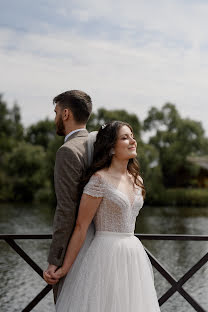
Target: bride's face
(125, 147)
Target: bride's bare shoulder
(102, 173)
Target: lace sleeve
(95, 186)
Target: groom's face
(60, 129)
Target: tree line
(27, 155)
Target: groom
(73, 109)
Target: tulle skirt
(115, 276)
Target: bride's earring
(112, 152)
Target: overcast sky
(126, 54)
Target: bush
(25, 171)
(44, 194)
(182, 197)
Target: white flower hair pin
(103, 126)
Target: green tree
(104, 116)
(150, 171)
(49, 164)
(11, 133)
(16, 126)
(41, 133)
(175, 138)
(11, 128)
(25, 168)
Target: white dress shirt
(70, 133)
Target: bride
(116, 273)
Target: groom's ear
(66, 114)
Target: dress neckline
(131, 203)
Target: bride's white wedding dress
(116, 273)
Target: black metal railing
(175, 285)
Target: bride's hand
(61, 272)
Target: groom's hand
(49, 275)
(61, 272)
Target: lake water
(20, 284)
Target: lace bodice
(116, 213)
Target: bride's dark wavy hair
(102, 156)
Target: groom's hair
(78, 102)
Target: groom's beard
(60, 129)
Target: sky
(125, 54)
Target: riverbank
(194, 197)
(189, 197)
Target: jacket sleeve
(67, 175)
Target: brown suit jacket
(71, 163)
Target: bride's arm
(87, 209)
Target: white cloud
(163, 62)
(179, 19)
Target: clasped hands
(53, 274)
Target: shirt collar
(70, 133)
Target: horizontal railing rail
(175, 285)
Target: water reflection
(19, 284)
